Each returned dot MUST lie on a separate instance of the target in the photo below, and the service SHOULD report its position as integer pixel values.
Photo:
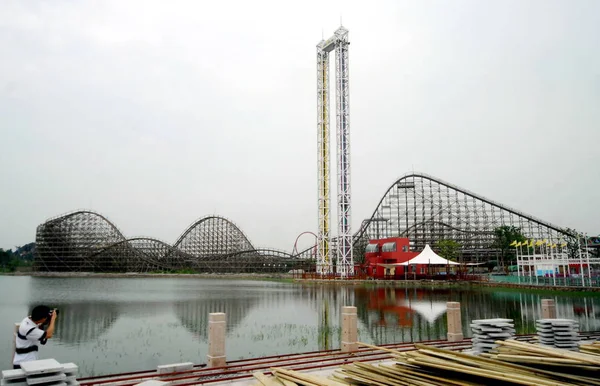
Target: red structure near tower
(393, 250)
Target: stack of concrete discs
(13, 378)
(559, 333)
(45, 372)
(488, 331)
(71, 370)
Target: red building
(393, 250)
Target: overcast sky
(156, 113)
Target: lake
(109, 325)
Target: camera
(47, 321)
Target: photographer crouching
(31, 333)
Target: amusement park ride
(416, 211)
(344, 261)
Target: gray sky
(157, 113)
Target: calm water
(118, 325)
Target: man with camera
(31, 332)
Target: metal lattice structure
(212, 237)
(344, 261)
(86, 241)
(426, 209)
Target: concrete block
(350, 329)
(217, 325)
(154, 382)
(45, 379)
(349, 347)
(216, 361)
(15, 382)
(217, 317)
(70, 368)
(454, 321)
(42, 366)
(59, 383)
(173, 368)
(16, 374)
(548, 309)
(452, 337)
(216, 339)
(349, 326)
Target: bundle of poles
(512, 363)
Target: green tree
(572, 241)
(5, 257)
(13, 264)
(503, 236)
(448, 249)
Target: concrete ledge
(455, 337)
(154, 382)
(175, 367)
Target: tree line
(22, 256)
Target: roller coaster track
(426, 209)
(418, 206)
(445, 212)
(87, 241)
(470, 194)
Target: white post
(566, 267)
(580, 261)
(216, 339)
(553, 258)
(349, 324)
(587, 256)
(14, 343)
(535, 262)
(518, 265)
(564, 255)
(529, 261)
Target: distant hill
(26, 252)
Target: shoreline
(130, 275)
(290, 278)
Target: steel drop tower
(343, 253)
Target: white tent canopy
(429, 257)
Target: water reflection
(404, 315)
(193, 315)
(401, 314)
(79, 323)
(326, 301)
(110, 325)
(583, 309)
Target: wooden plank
(501, 376)
(379, 348)
(266, 381)
(306, 377)
(553, 352)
